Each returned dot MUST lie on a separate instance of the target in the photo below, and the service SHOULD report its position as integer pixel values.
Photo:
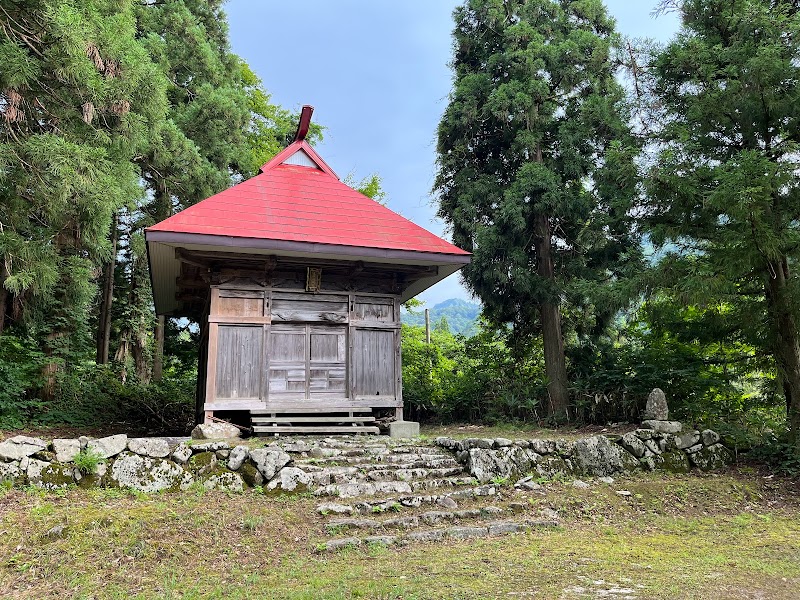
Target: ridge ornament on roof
(300, 146)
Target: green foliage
(20, 372)
(723, 186)
(165, 406)
(711, 374)
(80, 94)
(370, 186)
(778, 451)
(87, 460)
(479, 378)
(536, 172)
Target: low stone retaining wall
(146, 464)
(657, 445)
(156, 464)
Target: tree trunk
(554, 358)
(786, 343)
(104, 324)
(158, 357)
(163, 211)
(50, 368)
(3, 294)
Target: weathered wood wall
(271, 346)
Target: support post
(427, 326)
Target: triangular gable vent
(301, 159)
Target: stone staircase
(384, 491)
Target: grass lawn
(735, 535)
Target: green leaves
(723, 194)
(536, 126)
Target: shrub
(87, 460)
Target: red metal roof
(303, 204)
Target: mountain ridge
(461, 316)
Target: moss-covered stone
(250, 475)
(56, 476)
(45, 455)
(96, 479)
(202, 463)
(712, 457)
(223, 479)
(149, 475)
(630, 462)
(12, 472)
(675, 461)
(552, 466)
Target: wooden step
(312, 429)
(300, 409)
(320, 419)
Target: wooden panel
(239, 361)
(374, 362)
(328, 344)
(240, 307)
(319, 297)
(287, 344)
(236, 404)
(375, 325)
(287, 356)
(308, 310)
(327, 360)
(238, 319)
(240, 293)
(374, 309)
(305, 408)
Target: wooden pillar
(213, 332)
(427, 326)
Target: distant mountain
(461, 316)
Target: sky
(377, 75)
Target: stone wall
(657, 445)
(146, 464)
(291, 464)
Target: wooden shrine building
(296, 281)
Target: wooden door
(374, 365)
(306, 362)
(327, 376)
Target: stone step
(372, 488)
(355, 490)
(398, 503)
(344, 475)
(458, 532)
(427, 518)
(322, 428)
(445, 482)
(412, 474)
(373, 462)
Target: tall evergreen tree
(535, 167)
(724, 189)
(220, 128)
(78, 94)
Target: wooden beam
(320, 419)
(311, 429)
(185, 257)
